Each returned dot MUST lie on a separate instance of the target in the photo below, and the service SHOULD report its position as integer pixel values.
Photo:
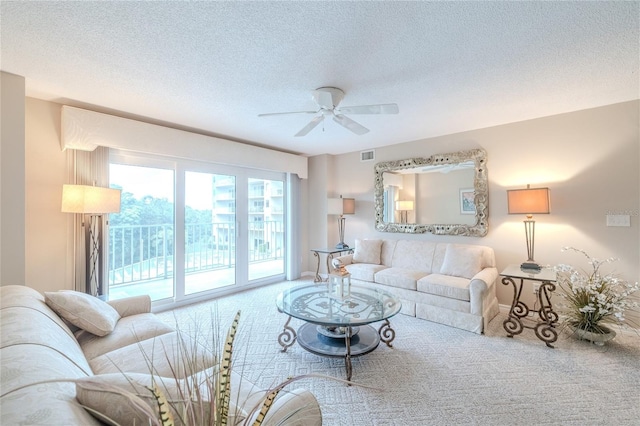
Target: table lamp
(341, 206)
(404, 207)
(529, 201)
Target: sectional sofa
(452, 284)
(61, 357)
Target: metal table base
(344, 346)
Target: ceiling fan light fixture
(327, 97)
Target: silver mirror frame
(481, 197)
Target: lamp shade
(348, 206)
(340, 206)
(404, 205)
(90, 199)
(528, 201)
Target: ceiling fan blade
(309, 127)
(285, 113)
(349, 124)
(370, 109)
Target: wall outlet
(536, 288)
(618, 220)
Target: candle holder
(339, 285)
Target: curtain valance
(85, 130)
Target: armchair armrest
(132, 305)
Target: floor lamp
(529, 201)
(341, 206)
(92, 202)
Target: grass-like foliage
(205, 396)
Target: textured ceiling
(214, 66)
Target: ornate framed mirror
(445, 194)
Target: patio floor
(194, 283)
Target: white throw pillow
(108, 397)
(462, 261)
(367, 251)
(84, 311)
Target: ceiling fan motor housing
(327, 97)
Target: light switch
(618, 220)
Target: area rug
(439, 375)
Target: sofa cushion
(386, 252)
(28, 300)
(462, 261)
(399, 277)
(173, 354)
(446, 286)
(84, 311)
(363, 271)
(27, 400)
(130, 330)
(367, 251)
(110, 397)
(414, 255)
(26, 328)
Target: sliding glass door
(187, 229)
(210, 231)
(265, 228)
(141, 236)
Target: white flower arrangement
(592, 299)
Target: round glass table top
(312, 303)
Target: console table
(329, 252)
(543, 319)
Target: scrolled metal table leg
(544, 298)
(545, 330)
(288, 336)
(512, 324)
(546, 333)
(387, 334)
(317, 278)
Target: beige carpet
(439, 375)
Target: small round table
(337, 326)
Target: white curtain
(294, 260)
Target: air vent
(368, 155)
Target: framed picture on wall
(467, 205)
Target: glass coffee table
(334, 326)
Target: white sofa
(38, 345)
(452, 284)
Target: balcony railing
(146, 252)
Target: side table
(329, 252)
(544, 324)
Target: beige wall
(12, 180)
(49, 236)
(318, 229)
(589, 159)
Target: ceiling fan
(328, 100)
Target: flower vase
(598, 339)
